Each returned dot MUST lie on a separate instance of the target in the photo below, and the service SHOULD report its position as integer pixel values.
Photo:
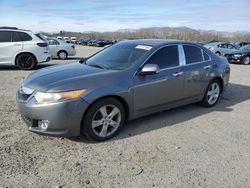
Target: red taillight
(42, 44)
(73, 46)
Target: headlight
(237, 55)
(54, 97)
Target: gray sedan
(130, 79)
(221, 48)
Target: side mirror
(149, 69)
(82, 60)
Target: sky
(112, 15)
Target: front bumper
(64, 118)
(233, 59)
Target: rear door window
(5, 36)
(165, 57)
(20, 36)
(193, 54)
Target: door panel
(8, 51)
(195, 78)
(153, 91)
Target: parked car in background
(83, 41)
(221, 48)
(66, 39)
(59, 37)
(241, 44)
(245, 47)
(128, 80)
(73, 40)
(22, 48)
(102, 43)
(241, 57)
(60, 49)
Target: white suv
(22, 48)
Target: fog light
(44, 124)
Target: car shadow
(68, 58)
(234, 94)
(14, 68)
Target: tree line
(180, 33)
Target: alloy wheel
(106, 120)
(213, 93)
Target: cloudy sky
(111, 15)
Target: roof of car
(12, 29)
(157, 42)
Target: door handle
(16, 44)
(177, 74)
(207, 67)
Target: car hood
(239, 52)
(65, 77)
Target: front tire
(212, 94)
(26, 61)
(246, 60)
(104, 119)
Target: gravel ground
(189, 146)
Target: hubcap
(106, 120)
(246, 60)
(62, 55)
(213, 93)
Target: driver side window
(165, 57)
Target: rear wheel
(26, 61)
(212, 94)
(62, 55)
(246, 60)
(104, 119)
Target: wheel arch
(62, 51)
(117, 97)
(221, 81)
(24, 53)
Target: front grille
(23, 97)
(24, 93)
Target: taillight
(42, 44)
(73, 46)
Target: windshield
(119, 56)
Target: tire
(62, 55)
(218, 53)
(97, 121)
(246, 60)
(212, 94)
(26, 61)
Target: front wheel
(246, 60)
(104, 119)
(212, 94)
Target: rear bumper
(63, 118)
(45, 57)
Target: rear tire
(62, 55)
(103, 119)
(246, 60)
(212, 94)
(26, 61)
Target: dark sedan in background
(128, 80)
(241, 57)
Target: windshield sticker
(143, 47)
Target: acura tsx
(127, 80)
